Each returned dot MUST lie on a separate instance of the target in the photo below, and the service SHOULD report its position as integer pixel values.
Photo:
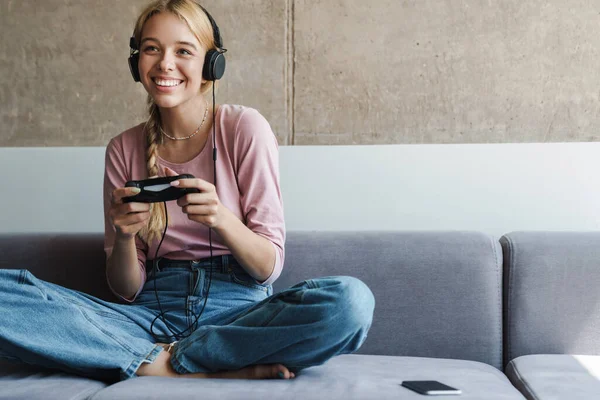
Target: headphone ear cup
(133, 66)
(214, 65)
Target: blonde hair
(196, 19)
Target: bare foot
(162, 367)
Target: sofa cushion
(22, 382)
(345, 377)
(556, 376)
(437, 294)
(551, 293)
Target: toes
(273, 371)
(278, 371)
(282, 372)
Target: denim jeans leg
(300, 327)
(54, 327)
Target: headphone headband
(216, 31)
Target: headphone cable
(178, 335)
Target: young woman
(197, 292)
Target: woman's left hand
(204, 207)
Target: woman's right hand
(127, 218)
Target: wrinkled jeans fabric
(242, 323)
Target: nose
(167, 62)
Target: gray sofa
(499, 319)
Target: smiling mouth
(167, 82)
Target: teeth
(161, 82)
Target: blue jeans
(243, 323)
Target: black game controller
(158, 189)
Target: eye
(184, 52)
(150, 48)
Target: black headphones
(214, 61)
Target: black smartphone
(431, 388)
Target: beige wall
(321, 71)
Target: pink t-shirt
(247, 184)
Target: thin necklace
(195, 132)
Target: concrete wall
(321, 71)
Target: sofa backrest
(552, 293)
(437, 294)
(76, 260)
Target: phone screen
(430, 387)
